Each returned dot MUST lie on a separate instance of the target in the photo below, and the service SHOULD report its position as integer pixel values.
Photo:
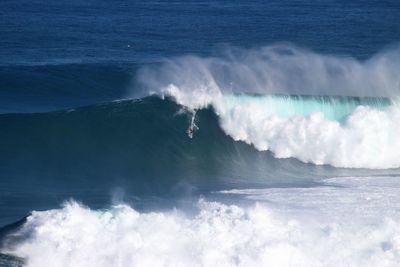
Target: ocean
(199, 133)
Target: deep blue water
(43, 32)
(64, 63)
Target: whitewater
(349, 221)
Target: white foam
(369, 138)
(349, 224)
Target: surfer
(190, 132)
(192, 126)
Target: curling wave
(301, 109)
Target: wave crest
(321, 130)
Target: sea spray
(276, 69)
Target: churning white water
(349, 221)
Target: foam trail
(356, 220)
(312, 121)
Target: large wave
(314, 119)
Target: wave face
(351, 216)
(311, 118)
(139, 145)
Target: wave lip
(285, 106)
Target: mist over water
(277, 69)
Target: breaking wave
(316, 108)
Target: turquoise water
(332, 107)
